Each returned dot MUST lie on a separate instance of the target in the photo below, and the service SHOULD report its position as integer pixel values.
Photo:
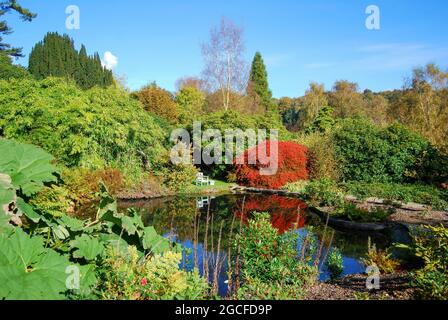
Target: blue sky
(300, 40)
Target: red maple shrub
(292, 165)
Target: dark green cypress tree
(82, 75)
(98, 70)
(36, 61)
(258, 81)
(56, 56)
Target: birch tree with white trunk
(225, 68)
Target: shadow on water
(206, 226)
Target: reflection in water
(207, 226)
(286, 213)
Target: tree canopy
(9, 70)
(5, 29)
(56, 56)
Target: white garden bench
(204, 180)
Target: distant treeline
(422, 105)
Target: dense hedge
(370, 153)
(94, 128)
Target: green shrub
(417, 193)
(432, 285)
(324, 192)
(431, 245)
(191, 101)
(95, 129)
(269, 261)
(381, 259)
(8, 70)
(132, 277)
(298, 186)
(54, 200)
(34, 260)
(373, 154)
(322, 157)
(257, 289)
(179, 177)
(335, 263)
(352, 212)
(323, 122)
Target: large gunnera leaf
(7, 201)
(7, 193)
(87, 247)
(30, 271)
(28, 166)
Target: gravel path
(353, 287)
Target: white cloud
(109, 60)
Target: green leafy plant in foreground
(34, 260)
(23, 171)
(28, 166)
(431, 245)
(335, 263)
(132, 277)
(270, 266)
(29, 270)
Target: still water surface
(206, 227)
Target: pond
(206, 227)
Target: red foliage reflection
(286, 213)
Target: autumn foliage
(158, 101)
(286, 213)
(292, 165)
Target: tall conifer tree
(258, 81)
(56, 56)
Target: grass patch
(219, 187)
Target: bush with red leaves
(292, 165)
